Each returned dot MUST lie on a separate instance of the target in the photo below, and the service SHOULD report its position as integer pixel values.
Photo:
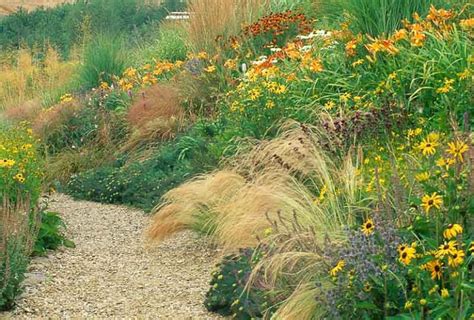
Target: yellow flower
(423, 302)
(417, 39)
(444, 293)
(338, 268)
(104, 85)
(471, 247)
(422, 177)
(447, 87)
(406, 254)
(456, 258)
(66, 98)
(322, 193)
(464, 75)
(202, 55)
(429, 202)
(345, 97)
(280, 89)
(452, 231)
(368, 227)
(435, 267)
(267, 232)
(210, 69)
(130, 72)
(230, 64)
(448, 248)
(316, 65)
(19, 177)
(270, 104)
(7, 163)
(357, 62)
(414, 133)
(428, 147)
(467, 23)
(456, 149)
(408, 305)
(400, 35)
(329, 105)
(445, 163)
(254, 94)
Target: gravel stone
(112, 274)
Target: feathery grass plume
(192, 202)
(213, 18)
(238, 204)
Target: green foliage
(13, 263)
(103, 60)
(174, 5)
(70, 23)
(227, 295)
(142, 183)
(50, 234)
(171, 45)
(376, 17)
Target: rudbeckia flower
(368, 227)
(430, 201)
(452, 231)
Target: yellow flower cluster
(17, 158)
(146, 75)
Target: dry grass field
(7, 6)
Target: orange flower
(417, 39)
(351, 47)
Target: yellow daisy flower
(430, 201)
(368, 227)
(452, 231)
(448, 248)
(338, 268)
(456, 149)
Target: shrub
(70, 23)
(102, 60)
(142, 182)
(169, 43)
(227, 295)
(50, 234)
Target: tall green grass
(374, 17)
(102, 59)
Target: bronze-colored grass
(213, 18)
(155, 116)
(26, 111)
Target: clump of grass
(236, 205)
(155, 116)
(103, 59)
(375, 17)
(213, 18)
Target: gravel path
(110, 273)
